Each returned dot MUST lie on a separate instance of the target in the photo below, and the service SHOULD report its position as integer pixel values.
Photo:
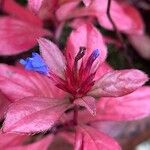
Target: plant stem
(75, 115)
(120, 37)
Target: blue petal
(42, 70)
(38, 61)
(22, 61)
(35, 63)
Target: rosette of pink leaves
(77, 79)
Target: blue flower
(35, 63)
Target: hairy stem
(75, 115)
(120, 37)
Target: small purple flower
(35, 63)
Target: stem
(1, 6)
(120, 37)
(75, 115)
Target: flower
(75, 72)
(78, 78)
(35, 63)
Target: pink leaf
(4, 103)
(11, 7)
(77, 22)
(52, 56)
(68, 136)
(102, 70)
(111, 128)
(34, 114)
(119, 83)
(133, 106)
(18, 36)
(41, 144)
(16, 83)
(35, 5)
(11, 140)
(135, 19)
(86, 36)
(65, 10)
(88, 138)
(47, 9)
(88, 102)
(142, 44)
(131, 23)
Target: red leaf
(119, 83)
(68, 136)
(11, 140)
(11, 7)
(131, 23)
(111, 128)
(18, 36)
(35, 5)
(41, 144)
(4, 103)
(34, 114)
(141, 44)
(88, 138)
(17, 83)
(66, 9)
(102, 70)
(133, 106)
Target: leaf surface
(34, 114)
